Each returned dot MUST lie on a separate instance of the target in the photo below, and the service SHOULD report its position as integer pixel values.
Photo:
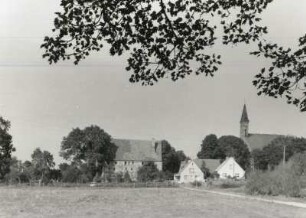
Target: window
(132, 162)
(191, 170)
(224, 175)
(236, 174)
(115, 162)
(124, 162)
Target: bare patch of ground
(133, 203)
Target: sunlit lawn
(131, 203)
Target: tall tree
(91, 145)
(208, 146)
(42, 162)
(260, 159)
(164, 37)
(15, 171)
(171, 159)
(182, 156)
(6, 147)
(232, 146)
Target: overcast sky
(45, 102)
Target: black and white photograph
(153, 108)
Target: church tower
(244, 123)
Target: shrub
(148, 172)
(226, 183)
(281, 181)
(196, 183)
(127, 177)
(70, 174)
(230, 184)
(215, 175)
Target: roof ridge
(147, 140)
(267, 134)
(223, 163)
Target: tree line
(265, 158)
(88, 154)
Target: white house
(230, 168)
(189, 172)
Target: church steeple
(244, 116)
(244, 123)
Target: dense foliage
(42, 163)
(232, 146)
(208, 147)
(164, 37)
(281, 181)
(272, 154)
(90, 148)
(285, 179)
(6, 147)
(14, 174)
(171, 159)
(225, 146)
(148, 172)
(286, 77)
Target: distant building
(230, 169)
(190, 170)
(253, 140)
(132, 154)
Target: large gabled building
(253, 140)
(132, 154)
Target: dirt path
(288, 203)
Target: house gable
(189, 172)
(230, 168)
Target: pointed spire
(244, 116)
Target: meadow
(132, 203)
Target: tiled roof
(258, 141)
(244, 116)
(137, 150)
(210, 164)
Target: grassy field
(133, 203)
